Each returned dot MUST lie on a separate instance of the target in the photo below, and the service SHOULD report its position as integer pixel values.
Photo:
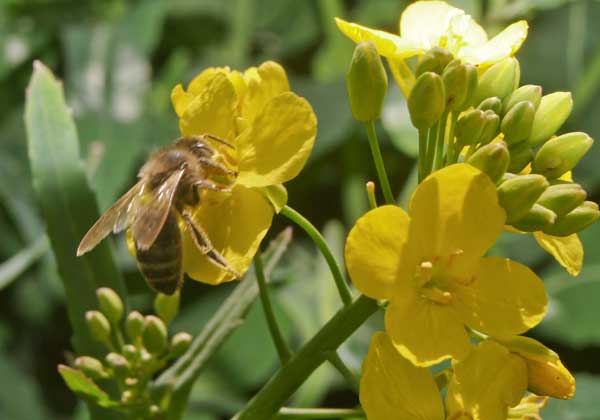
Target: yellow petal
(393, 388)
(456, 208)
(262, 85)
(423, 331)
(436, 23)
(235, 223)
(205, 79)
(403, 75)
(486, 383)
(504, 297)
(212, 109)
(180, 100)
(276, 194)
(388, 45)
(567, 250)
(276, 146)
(374, 250)
(503, 45)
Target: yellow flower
(528, 409)
(272, 130)
(430, 266)
(427, 24)
(483, 386)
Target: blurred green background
(119, 61)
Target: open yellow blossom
(427, 24)
(483, 387)
(272, 131)
(430, 266)
(528, 409)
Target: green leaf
(85, 387)
(20, 397)
(17, 264)
(68, 205)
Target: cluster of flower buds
(138, 346)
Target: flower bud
(562, 198)
(110, 304)
(98, 326)
(180, 343)
(499, 80)
(490, 128)
(517, 195)
(491, 159)
(456, 81)
(546, 374)
(553, 111)
(469, 126)
(154, 335)
(427, 100)
(366, 82)
(577, 220)
(561, 154)
(130, 352)
(531, 93)
(434, 60)
(91, 367)
(134, 325)
(537, 218)
(520, 156)
(516, 124)
(118, 364)
(471, 87)
(166, 306)
(494, 104)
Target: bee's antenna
(220, 140)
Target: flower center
(434, 278)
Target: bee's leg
(217, 167)
(219, 140)
(208, 185)
(204, 245)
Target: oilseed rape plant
(492, 161)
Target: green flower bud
(490, 128)
(98, 326)
(118, 364)
(130, 352)
(180, 343)
(537, 218)
(110, 304)
(366, 82)
(134, 325)
(562, 198)
(434, 60)
(455, 84)
(520, 156)
(471, 87)
(154, 335)
(561, 154)
(499, 80)
(128, 396)
(553, 111)
(531, 93)
(427, 100)
(516, 124)
(491, 159)
(91, 367)
(577, 220)
(469, 126)
(494, 104)
(166, 306)
(518, 195)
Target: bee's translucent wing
(151, 212)
(115, 219)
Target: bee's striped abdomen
(161, 264)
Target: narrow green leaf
(85, 387)
(68, 205)
(21, 261)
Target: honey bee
(169, 186)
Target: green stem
(289, 377)
(318, 239)
(337, 362)
(320, 413)
(452, 152)
(378, 159)
(439, 148)
(422, 153)
(431, 143)
(282, 348)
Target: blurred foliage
(119, 59)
